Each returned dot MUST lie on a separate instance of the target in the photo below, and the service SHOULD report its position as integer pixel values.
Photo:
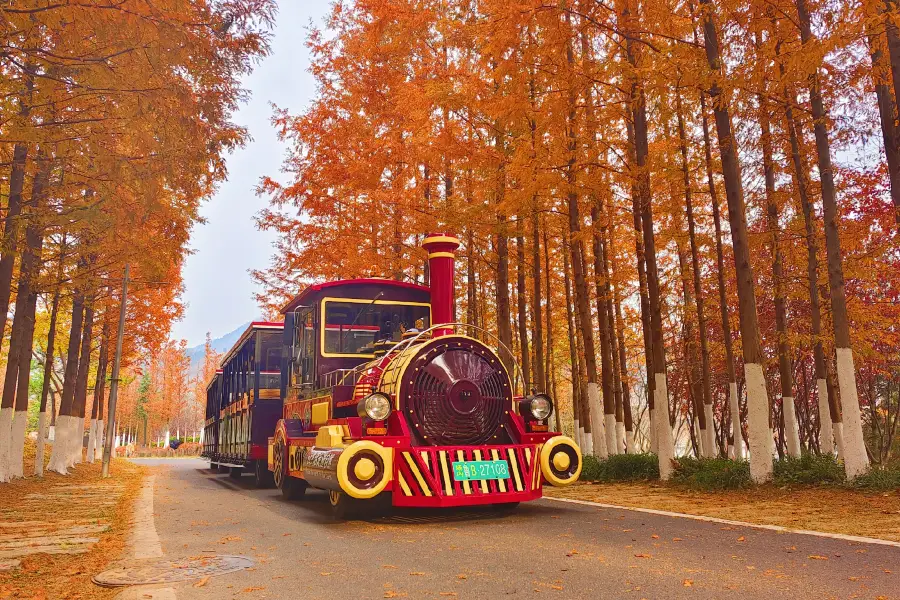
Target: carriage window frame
(325, 302)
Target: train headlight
(376, 406)
(538, 407)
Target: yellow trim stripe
(448, 487)
(515, 469)
(441, 255)
(440, 238)
(467, 489)
(500, 482)
(417, 474)
(403, 484)
(425, 459)
(537, 468)
(484, 485)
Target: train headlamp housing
(537, 407)
(375, 406)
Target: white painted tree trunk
(17, 445)
(60, 454)
(611, 427)
(98, 441)
(665, 443)
(710, 440)
(791, 428)
(629, 442)
(729, 451)
(838, 431)
(620, 438)
(734, 405)
(43, 419)
(700, 435)
(6, 418)
(856, 461)
(92, 432)
(51, 433)
(758, 423)
(598, 433)
(826, 437)
(166, 445)
(76, 441)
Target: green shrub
(590, 468)
(621, 467)
(712, 473)
(809, 469)
(878, 479)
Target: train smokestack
(441, 249)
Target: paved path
(546, 549)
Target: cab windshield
(353, 327)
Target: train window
(354, 327)
(270, 351)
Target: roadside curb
(776, 528)
(144, 543)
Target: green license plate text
(480, 469)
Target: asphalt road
(545, 549)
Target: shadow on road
(315, 508)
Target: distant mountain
(219, 344)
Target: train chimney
(441, 249)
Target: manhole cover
(169, 571)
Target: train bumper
(424, 476)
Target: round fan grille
(456, 393)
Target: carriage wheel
(291, 487)
(262, 477)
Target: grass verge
(807, 493)
(65, 576)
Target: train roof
(213, 378)
(309, 293)
(254, 326)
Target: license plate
(480, 469)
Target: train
(372, 391)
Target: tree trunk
(67, 421)
(521, 297)
(828, 410)
(576, 248)
(887, 109)
(96, 428)
(621, 436)
(734, 408)
(601, 282)
(856, 461)
(661, 421)
(540, 380)
(773, 215)
(893, 45)
(550, 371)
(759, 414)
(582, 425)
(14, 407)
(642, 282)
(705, 410)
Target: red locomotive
(384, 395)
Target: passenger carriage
(386, 396)
(244, 403)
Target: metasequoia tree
(110, 147)
(568, 144)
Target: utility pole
(114, 384)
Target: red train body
(384, 395)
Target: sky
(218, 288)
